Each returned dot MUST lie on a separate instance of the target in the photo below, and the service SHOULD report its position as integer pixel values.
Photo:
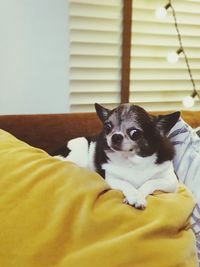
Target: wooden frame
(126, 50)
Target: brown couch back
(51, 131)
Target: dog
(132, 152)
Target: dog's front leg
(163, 184)
(132, 196)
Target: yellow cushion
(55, 213)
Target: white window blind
(95, 54)
(155, 83)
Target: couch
(50, 131)
(55, 213)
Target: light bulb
(172, 57)
(160, 12)
(188, 101)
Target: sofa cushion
(55, 213)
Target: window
(155, 83)
(95, 54)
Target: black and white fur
(132, 152)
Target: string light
(161, 12)
(173, 57)
(188, 101)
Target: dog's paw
(137, 200)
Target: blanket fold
(54, 213)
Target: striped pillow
(187, 166)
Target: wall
(33, 56)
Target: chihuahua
(132, 152)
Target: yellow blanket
(54, 213)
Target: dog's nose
(117, 138)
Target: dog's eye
(107, 127)
(134, 134)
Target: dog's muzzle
(117, 138)
(117, 141)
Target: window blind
(155, 83)
(95, 56)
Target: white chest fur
(135, 169)
(138, 177)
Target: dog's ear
(102, 112)
(165, 122)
